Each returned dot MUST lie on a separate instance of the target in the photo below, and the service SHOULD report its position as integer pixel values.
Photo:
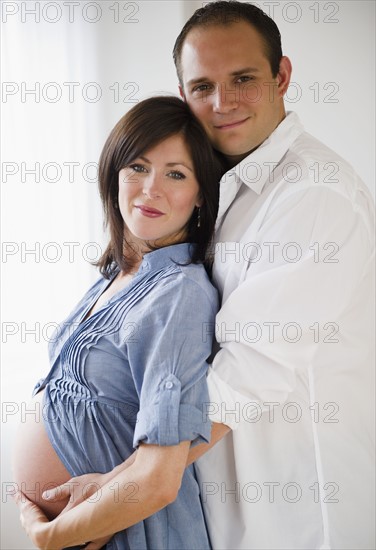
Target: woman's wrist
(41, 536)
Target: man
(294, 245)
(294, 376)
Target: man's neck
(233, 160)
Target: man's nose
(225, 99)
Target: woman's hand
(33, 520)
(36, 524)
(81, 488)
(131, 495)
(77, 489)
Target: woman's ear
(200, 201)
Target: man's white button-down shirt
(294, 376)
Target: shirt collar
(255, 169)
(157, 259)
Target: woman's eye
(176, 175)
(137, 168)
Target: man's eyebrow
(238, 72)
(245, 70)
(197, 80)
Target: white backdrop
(70, 70)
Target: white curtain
(69, 73)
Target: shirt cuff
(169, 422)
(227, 406)
(38, 386)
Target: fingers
(28, 509)
(68, 492)
(76, 489)
(30, 514)
(61, 492)
(71, 504)
(98, 544)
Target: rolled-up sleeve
(169, 362)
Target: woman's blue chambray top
(135, 371)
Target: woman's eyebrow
(170, 164)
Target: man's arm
(279, 302)
(217, 433)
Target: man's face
(228, 84)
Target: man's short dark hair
(224, 13)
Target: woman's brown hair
(146, 125)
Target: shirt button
(169, 385)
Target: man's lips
(148, 211)
(230, 125)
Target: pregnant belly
(36, 465)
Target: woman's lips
(230, 125)
(148, 211)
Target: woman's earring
(199, 217)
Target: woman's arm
(76, 489)
(80, 488)
(148, 485)
(115, 485)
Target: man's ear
(181, 92)
(284, 75)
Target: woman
(132, 373)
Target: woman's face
(157, 194)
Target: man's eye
(243, 79)
(176, 175)
(201, 88)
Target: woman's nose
(152, 185)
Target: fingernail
(46, 495)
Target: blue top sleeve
(169, 362)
